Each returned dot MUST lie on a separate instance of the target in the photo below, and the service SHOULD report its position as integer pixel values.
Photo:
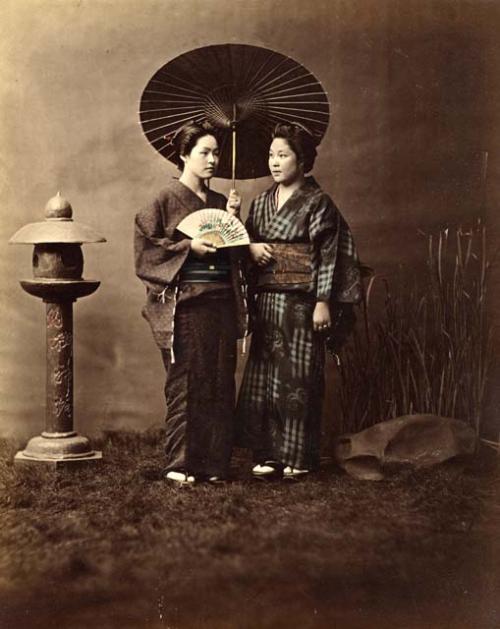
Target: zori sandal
(269, 470)
(180, 479)
(294, 473)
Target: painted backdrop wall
(414, 90)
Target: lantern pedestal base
(57, 450)
(21, 459)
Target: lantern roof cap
(58, 226)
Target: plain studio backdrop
(413, 88)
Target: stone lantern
(57, 279)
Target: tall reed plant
(428, 349)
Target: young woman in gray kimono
(280, 400)
(195, 307)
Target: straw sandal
(180, 479)
(294, 473)
(269, 470)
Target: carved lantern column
(57, 271)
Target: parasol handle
(233, 166)
(233, 163)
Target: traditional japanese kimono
(195, 324)
(280, 401)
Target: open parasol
(242, 90)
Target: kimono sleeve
(158, 259)
(324, 236)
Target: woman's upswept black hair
(185, 138)
(300, 140)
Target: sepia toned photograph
(249, 314)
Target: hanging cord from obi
(161, 299)
(243, 286)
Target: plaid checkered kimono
(280, 400)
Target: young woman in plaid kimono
(280, 400)
(196, 310)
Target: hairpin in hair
(303, 127)
(170, 137)
(311, 134)
(206, 125)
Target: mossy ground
(114, 546)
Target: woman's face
(203, 159)
(283, 163)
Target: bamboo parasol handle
(233, 158)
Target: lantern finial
(58, 208)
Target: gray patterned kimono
(201, 322)
(280, 400)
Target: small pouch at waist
(291, 267)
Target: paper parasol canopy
(242, 90)
(216, 226)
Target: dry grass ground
(115, 547)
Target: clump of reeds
(429, 350)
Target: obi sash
(213, 267)
(290, 268)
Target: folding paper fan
(217, 226)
